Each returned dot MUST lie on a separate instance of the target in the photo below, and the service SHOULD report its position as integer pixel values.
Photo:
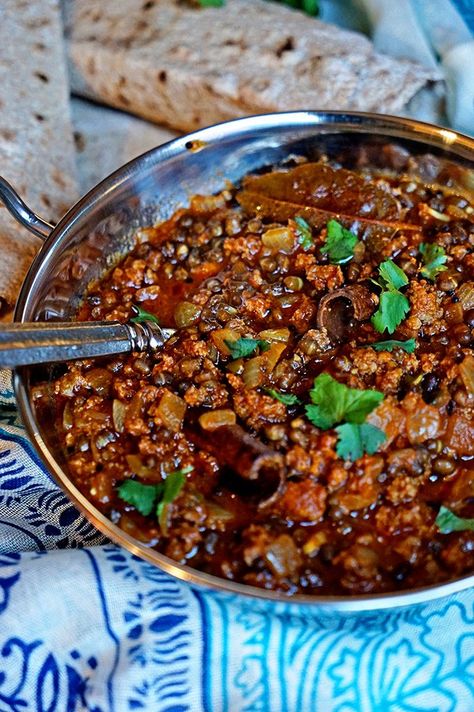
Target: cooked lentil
(231, 266)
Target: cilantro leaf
(392, 275)
(311, 7)
(142, 315)
(339, 243)
(434, 258)
(448, 522)
(408, 345)
(319, 417)
(245, 347)
(172, 487)
(393, 308)
(355, 439)
(334, 402)
(329, 401)
(142, 497)
(211, 3)
(304, 233)
(393, 305)
(286, 398)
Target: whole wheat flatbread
(106, 139)
(36, 140)
(188, 67)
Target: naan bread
(187, 67)
(36, 141)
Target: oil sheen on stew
(309, 429)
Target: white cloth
(432, 32)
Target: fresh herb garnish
(393, 305)
(355, 439)
(393, 277)
(286, 398)
(142, 315)
(145, 497)
(334, 402)
(311, 7)
(393, 308)
(448, 522)
(245, 347)
(172, 487)
(211, 3)
(409, 345)
(339, 243)
(303, 233)
(434, 258)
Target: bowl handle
(21, 212)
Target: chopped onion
(254, 371)
(279, 239)
(466, 295)
(293, 284)
(275, 335)
(283, 556)
(466, 370)
(171, 410)
(256, 368)
(272, 355)
(217, 418)
(186, 313)
(220, 336)
(118, 415)
(100, 380)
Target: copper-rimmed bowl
(99, 228)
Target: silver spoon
(45, 342)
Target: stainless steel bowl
(98, 229)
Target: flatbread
(106, 139)
(187, 67)
(36, 142)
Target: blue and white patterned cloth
(85, 625)
(437, 33)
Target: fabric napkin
(85, 625)
(436, 33)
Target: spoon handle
(23, 344)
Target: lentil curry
(309, 428)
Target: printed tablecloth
(84, 625)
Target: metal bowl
(98, 229)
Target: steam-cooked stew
(309, 428)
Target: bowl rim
(324, 122)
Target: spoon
(44, 342)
